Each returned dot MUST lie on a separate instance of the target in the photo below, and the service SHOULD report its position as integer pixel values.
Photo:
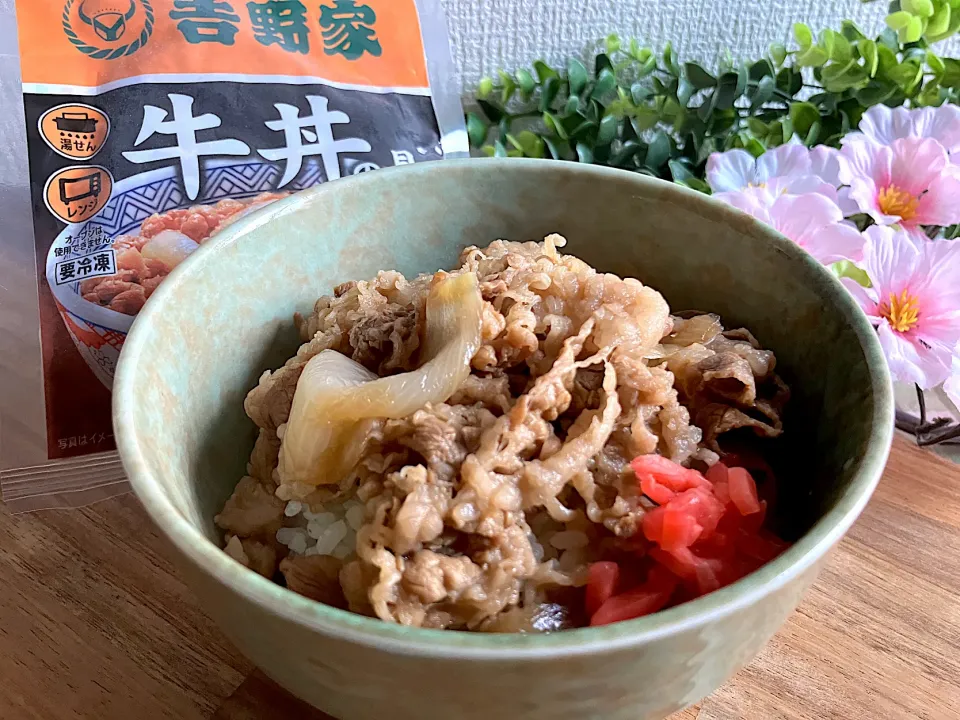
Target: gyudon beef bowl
(501, 438)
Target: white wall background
(492, 34)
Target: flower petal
(753, 201)
(824, 164)
(910, 361)
(730, 171)
(942, 124)
(838, 241)
(916, 163)
(864, 297)
(883, 125)
(788, 160)
(940, 205)
(891, 258)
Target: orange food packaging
(151, 125)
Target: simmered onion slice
(323, 436)
(169, 247)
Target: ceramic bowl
(226, 314)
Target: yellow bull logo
(108, 18)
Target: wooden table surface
(94, 622)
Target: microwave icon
(80, 188)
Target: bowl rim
(211, 561)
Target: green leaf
(763, 92)
(939, 23)
(760, 69)
(639, 92)
(488, 150)
(679, 172)
(493, 113)
(837, 79)
(851, 32)
(726, 91)
(846, 269)
(743, 79)
(874, 94)
(813, 56)
(898, 20)
(888, 38)
(757, 127)
(906, 75)
(526, 83)
(930, 95)
(572, 106)
(813, 134)
(887, 60)
(754, 147)
(699, 77)
(576, 76)
(476, 129)
(936, 64)
(555, 126)
(868, 51)
(658, 152)
(508, 87)
(951, 73)
(778, 53)
(584, 153)
(647, 67)
(531, 144)
(696, 184)
(608, 130)
(669, 60)
(841, 51)
(685, 91)
(499, 150)
(790, 81)
(612, 43)
(544, 71)
(803, 115)
(602, 63)
(606, 83)
(920, 8)
(645, 119)
(912, 32)
(548, 92)
(555, 152)
(803, 35)
(485, 88)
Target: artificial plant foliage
(654, 114)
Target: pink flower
(905, 183)
(812, 221)
(786, 168)
(883, 125)
(914, 303)
(825, 164)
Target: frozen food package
(153, 124)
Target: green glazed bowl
(226, 314)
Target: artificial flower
(786, 168)
(906, 183)
(812, 221)
(914, 303)
(882, 125)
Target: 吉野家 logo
(108, 29)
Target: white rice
(330, 531)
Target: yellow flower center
(894, 201)
(756, 185)
(902, 312)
